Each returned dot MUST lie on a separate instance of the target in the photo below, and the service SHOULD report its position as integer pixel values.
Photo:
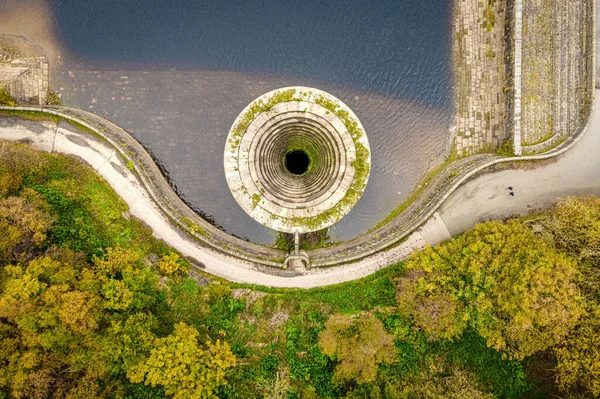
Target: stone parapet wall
(161, 192)
(557, 70)
(364, 247)
(480, 75)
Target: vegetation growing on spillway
(92, 306)
(361, 163)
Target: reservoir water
(176, 74)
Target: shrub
(172, 264)
(6, 98)
(53, 98)
(439, 379)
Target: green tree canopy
(187, 369)
(360, 343)
(499, 279)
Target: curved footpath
(113, 160)
(109, 160)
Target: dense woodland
(92, 306)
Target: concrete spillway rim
(350, 185)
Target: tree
(573, 227)
(171, 265)
(499, 279)
(127, 343)
(360, 344)
(578, 356)
(184, 367)
(126, 282)
(24, 222)
(50, 328)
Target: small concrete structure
(297, 160)
(26, 80)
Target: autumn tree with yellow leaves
(498, 279)
(65, 326)
(573, 227)
(360, 344)
(183, 366)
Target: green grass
(506, 379)
(130, 165)
(79, 126)
(506, 149)
(31, 115)
(42, 116)
(376, 290)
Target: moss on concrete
(361, 164)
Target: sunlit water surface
(176, 74)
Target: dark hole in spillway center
(296, 162)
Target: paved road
(577, 172)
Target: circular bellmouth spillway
(297, 159)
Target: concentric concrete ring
(297, 120)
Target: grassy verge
(46, 117)
(79, 126)
(31, 115)
(544, 150)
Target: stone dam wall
(479, 50)
(557, 70)
(26, 79)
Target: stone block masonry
(26, 79)
(480, 75)
(557, 71)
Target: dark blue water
(391, 47)
(175, 74)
